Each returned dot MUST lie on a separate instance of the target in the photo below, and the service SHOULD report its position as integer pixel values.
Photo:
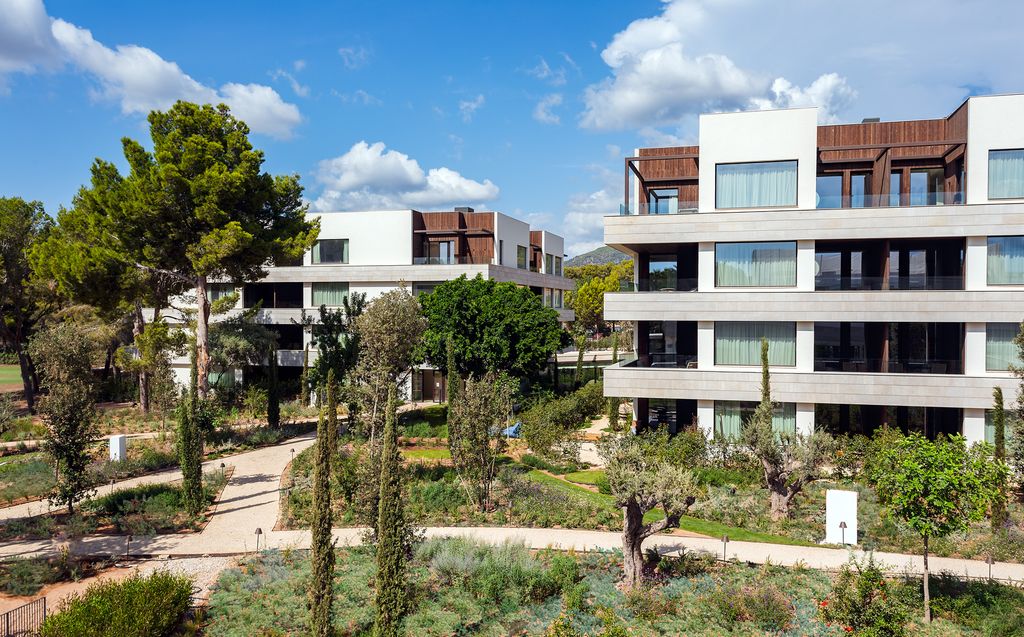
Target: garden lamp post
(128, 546)
(989, 561)
(259, 532)
(842, 531)
(725, 545)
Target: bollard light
(842, 530)
(725, 545)
(259, 532)
(128, 546)
(990, 562)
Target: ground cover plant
(26, 576)
(459, 587)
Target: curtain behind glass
(990, 429)
(755, 185)
(728, 420)
(1005, 260)
(1005, 174)
(1000, 350)
(784, 418)
(329, 294)
(766, 264)
(739, 343)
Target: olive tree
(789, 460)
(644, 475)
(476, 420)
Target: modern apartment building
(372, 252)
(883, 261)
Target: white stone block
(840, 506)
(118, 444)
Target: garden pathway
(250, 500)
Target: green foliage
(544, 465)
(63, 356)
(476, 419)
(137, 606)
(254, 401)
(551, 427)
(863, 602)
(25, 576)
(392, 533)
(1000, 516)
(238, 341)
(192, 412)
(332, 412)
(322, 545)
(273, 393)
(492, 327)
(764, 606)
(336, 340)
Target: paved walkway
(250, 500)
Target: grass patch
(10, 374)
(426, 454)
(27, 576)
(25, 476)
(590, 476)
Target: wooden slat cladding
(670, 168)
(480, 221)
(883, 134)
(479, 249)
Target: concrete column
(976, 264)
(974, 425)
(805, 346)
(705, 267)
(706, 417)
(805, 418)
(307, 295)
(805, 266)
(974, 349)
(705, 345)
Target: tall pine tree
(322, 546)
(332, 412)
(391, 532)
(1000, 515)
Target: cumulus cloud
(542, 112)
(370, 176)
(656, 81)
(583, 222)
(134, 76)
(469, 107)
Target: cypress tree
(1000, 515)
(273, 393)
(304, 378)
(190, 445)
(322, 546)
(391, 532)
(332, 412)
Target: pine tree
(304, 378)
(190, 445)
(391, 532)
(273, 393)
(1000, 516)
(332, 412)
(322, 546)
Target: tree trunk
(780, 502)
(138, 326)
(26, 377)
(202, 339)
(632, 546)
(581, 347)
(927, 593)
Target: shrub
(138, 606)
(254, 402)
(648, 603)
(862, 601)
(765, 606)
(550, 427)
(21, 576)
(544, 465)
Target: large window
(558, 266)
(218, 291)
(1006, 260)
(830, 191)
(990, 429)
(329, 294)
(549, 264)
(330, 251)
(521, 257)
(926, 187)
(895, 183)
(859, 190)
(1000, 350)
(739, 343)
(755, 264)
(664, 272)
(663, 201)
(1006, 174)
(766, 184)
(438, 253)
(731, 415)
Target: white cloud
(542, 112)
(830, 91)
(544, 72)
(298, 65)
(583, 223)
(656, 81)
(369, 176)
(469, 107)
(354, 57)
(298, 88)
(359, 96)
(134, 76)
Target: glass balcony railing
(827, 282)
(448, 260)
(688, 284)
(920, 198)
(661, 359)
(877, 366)
(671, 207)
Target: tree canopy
(493, 327)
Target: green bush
(764, 606)
(544, 465)
(25, 576)
(550, 425)
(649, 603)
(138, 606)
(991, 609)
(863, 602)
(254, 401)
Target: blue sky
(523, 107)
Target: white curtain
(766, 264)
(329, 294)
(739, 343)
(990, 429)
(728, 420)
(1005, 260)
(784, 418)
(1000, 350)
(755, 185)
(1005, 174)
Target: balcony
(446, 260)
(686, 284)
(661, 359)
(826, 282)
(879, 366)
(827, 201)
(663, 207)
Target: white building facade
(883, 261)
(373, 252)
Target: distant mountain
(598, 256)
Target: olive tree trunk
(202, 338)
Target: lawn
(458, 587)
(10, 375)
(426, 454)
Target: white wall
(513, 233)
(804, 347)
(554, 245)
(805, 418)
(994, 122)
(379, 237)
(706, 417)
(759, 136)
(974, 425)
